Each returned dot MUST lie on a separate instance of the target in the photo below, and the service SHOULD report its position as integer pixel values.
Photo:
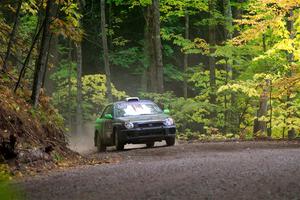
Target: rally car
(133, 121)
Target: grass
(7, 192)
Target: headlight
(169, 122)
(129, 125)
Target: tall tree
(235, 121)
(211, 59)
(260, 125)
(158, 47)
(70, 84)
(150, 48)
(79, 120)
(146, 51)
(154, 47)
(105, 51)
(79, 89)
(228, 19)
(185, 56)
(12, 36)
(42, 58)
(291, 60)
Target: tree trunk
(226, 112)
(79, 90)
(41, 61)
(211, 59)
(47, 61)
(158, 47)
(228, 116)
(144, 81)
(79, 113)
(150, 47)
(146, 63)
(291, 60)
(105, 52)
(110, 18)
(233, 118)
(12, 37)
(185, 56)
(261, 125)
(70, 85)
(228, 19)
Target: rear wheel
(118, 143)
(100, 145)
(170, 141)
(150, 144)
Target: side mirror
(166, 111)
(108, 116)
(98, 120)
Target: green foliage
(93, 91)
(57, 157)
(197, 46)
(6, 191)
(128, 58)
(171, 73)
(184, 111)
(263, 48)
(194, 135)
(94, 94)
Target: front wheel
(100, 145)
(170, 141)
(118, 143)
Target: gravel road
(245, 170)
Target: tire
(118, 143)
(150, 144)
(170, 141)
(100, 146)
(95, 139)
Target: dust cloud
(84, 143)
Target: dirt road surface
(244, 170)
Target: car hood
(142, 118)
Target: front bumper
(142, 135)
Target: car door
(100, 122)
(108, 125)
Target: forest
(226, 69)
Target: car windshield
(136, 108)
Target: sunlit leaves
(93, 89)
(241, 87)
(197, 46)
(177, 8)
(265, 15)
(68, 25)
(30, 6)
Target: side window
(104, 112)
(110, 110)
(107, 110)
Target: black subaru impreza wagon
(133, 121)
